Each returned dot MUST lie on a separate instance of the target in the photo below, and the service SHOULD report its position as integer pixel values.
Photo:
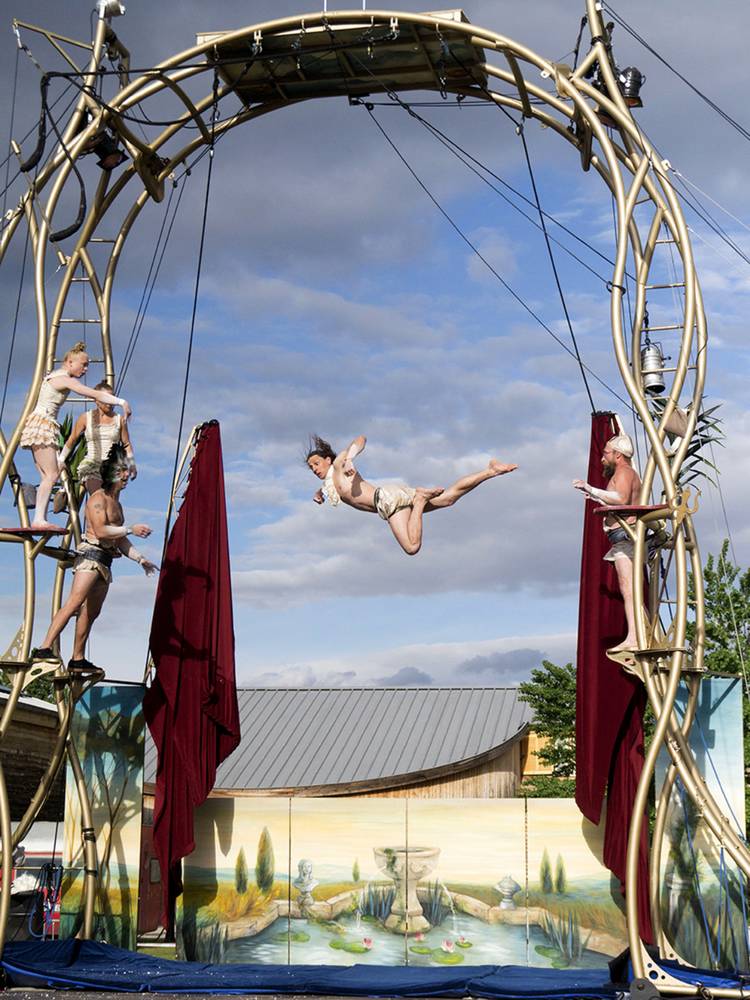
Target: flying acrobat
(401, 506)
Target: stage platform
(84, 966)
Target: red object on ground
(609, 702)
(191, 706)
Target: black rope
(577, 49)
(554, 268)
(196, 289)
(484, 260)
(10, 137)
(18, 172)
(152, 276)
(745, 133)
(464, 156)
(15, 323)
(519, 127)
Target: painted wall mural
(704, 902)
(396, 882)
(108, 734)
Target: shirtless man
(401, 506)
(105, 539)
(623, 488)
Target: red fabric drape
(609, 703)
(191, 706)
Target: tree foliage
(240, 872)
(545, 873)
(265, 863)
(551, 693)
(561, 879)
(355, 870)
(727, 599)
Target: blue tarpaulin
(88, 965)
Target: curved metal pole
(573, 104)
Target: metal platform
(348, 60)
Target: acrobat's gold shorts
(389, 499)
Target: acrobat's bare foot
(500, 468)
(424, 494)
(626, 646)
(44, 526)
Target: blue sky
(336, 299)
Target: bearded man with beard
(623, 488)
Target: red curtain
(609, 702)
(191, 706)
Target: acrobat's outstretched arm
(128, 549)
(346, 458)
(100, 395)
(96, 515)
(609, 497)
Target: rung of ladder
(673, 284)
(79, 320)
(100, 239)
(661, 329)
(658, 242)
(77, 278)
(92, 361)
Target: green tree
(265, 863)
(561, 879)
(727, 598)
(545, 873)
(355, 870)
(240, 872)
(41, 688)
(551, 693)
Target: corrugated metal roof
(305, 737)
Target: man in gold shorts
(104, 540)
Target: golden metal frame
(560, 99)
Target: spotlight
(109, 155)
(631, 80)
(652, 369)
(110, 8)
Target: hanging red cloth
(191, 706)
(609, 702)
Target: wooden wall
(26, 752)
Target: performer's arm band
(606, 496)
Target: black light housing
(631, 80)
(109, 155)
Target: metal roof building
(427, 742)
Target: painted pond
(459, 940)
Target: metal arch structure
(277, 63)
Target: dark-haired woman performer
(105, 538)
(401, 506)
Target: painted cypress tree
(545, 873)
(355, 870)
(561, 880)
(265, 863)
(240, 872)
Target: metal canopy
(347, 60)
